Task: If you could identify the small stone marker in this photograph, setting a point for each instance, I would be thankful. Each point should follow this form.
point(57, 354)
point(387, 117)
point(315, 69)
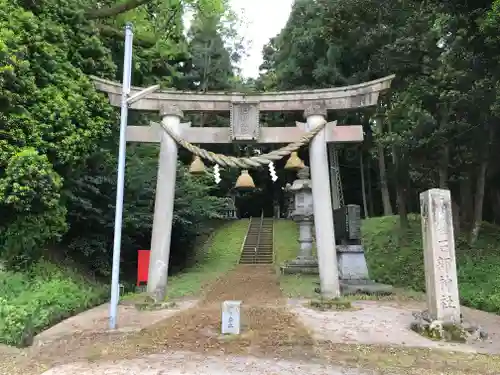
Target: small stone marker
point(439, 256)
point(231, 317)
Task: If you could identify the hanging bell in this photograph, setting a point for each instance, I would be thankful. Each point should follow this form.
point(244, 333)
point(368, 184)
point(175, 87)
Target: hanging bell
point(244, 181)
point(294, 162)
point(197, 167)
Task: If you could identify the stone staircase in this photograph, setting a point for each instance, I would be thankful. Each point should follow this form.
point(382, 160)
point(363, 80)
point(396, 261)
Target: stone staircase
point(258, 247)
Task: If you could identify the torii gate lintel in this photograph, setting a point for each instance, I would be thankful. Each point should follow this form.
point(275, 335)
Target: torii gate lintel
point(268, 135)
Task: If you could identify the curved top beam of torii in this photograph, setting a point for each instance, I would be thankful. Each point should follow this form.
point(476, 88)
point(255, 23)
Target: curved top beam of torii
point(346, 97)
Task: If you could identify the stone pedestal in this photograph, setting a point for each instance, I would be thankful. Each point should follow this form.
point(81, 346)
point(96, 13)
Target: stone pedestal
point(351, 260)
point(350, 253)
point(305, 263)
point(439, 256)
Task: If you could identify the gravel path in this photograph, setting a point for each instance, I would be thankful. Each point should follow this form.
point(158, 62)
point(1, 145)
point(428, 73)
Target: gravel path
point(177, 363)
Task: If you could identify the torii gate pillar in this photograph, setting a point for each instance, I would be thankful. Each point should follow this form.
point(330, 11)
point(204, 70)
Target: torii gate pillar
point(322, 204)
point(164, 203)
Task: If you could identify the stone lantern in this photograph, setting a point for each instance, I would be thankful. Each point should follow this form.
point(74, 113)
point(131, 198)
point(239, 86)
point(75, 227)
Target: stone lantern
point(229, 211)
point(303, 214)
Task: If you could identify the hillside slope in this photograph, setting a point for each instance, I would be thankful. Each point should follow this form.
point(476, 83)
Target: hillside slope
point(397, 259)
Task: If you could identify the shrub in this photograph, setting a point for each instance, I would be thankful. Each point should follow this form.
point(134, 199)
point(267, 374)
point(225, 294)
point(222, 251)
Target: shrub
point(34, 301)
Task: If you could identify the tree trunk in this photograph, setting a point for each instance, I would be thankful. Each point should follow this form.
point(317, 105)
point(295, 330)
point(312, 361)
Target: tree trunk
point(363, 189)
point(479, 193)
point(455, 212)
point(384, 186)
point(400, 188)
point(402, 210)
point(370, 190)
point(466, 206)
point(444, 162)
point(495, 199)
point(478, 201)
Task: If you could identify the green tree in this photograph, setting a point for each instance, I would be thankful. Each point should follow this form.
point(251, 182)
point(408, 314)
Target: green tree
point(437, 125)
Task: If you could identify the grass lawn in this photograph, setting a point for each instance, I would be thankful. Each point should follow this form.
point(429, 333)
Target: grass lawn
point(218, 254)
point(286, 247)
point(221, 253)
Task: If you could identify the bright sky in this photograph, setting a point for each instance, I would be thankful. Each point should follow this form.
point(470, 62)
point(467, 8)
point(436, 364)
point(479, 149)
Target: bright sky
point(264, 19)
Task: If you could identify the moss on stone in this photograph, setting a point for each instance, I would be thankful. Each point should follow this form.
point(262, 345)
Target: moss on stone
point(438, 331)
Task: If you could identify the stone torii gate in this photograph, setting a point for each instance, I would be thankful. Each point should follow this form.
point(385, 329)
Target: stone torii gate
point(244, 110)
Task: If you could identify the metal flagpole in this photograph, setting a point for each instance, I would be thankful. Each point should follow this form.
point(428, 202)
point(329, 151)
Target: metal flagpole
point(115, 279)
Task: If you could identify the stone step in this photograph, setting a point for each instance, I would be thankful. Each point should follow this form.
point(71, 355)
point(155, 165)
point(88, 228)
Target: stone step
point(252, 252)
point(258, 246)
point(256, 254)
point(249, 255)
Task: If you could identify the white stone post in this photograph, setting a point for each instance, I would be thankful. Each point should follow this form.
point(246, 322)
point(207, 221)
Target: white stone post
point(322, 205)
point(439, 256)
point(164, 205)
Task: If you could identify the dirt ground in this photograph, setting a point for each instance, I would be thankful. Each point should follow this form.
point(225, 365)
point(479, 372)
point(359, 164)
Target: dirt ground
point(270, 331)
point(96, 321)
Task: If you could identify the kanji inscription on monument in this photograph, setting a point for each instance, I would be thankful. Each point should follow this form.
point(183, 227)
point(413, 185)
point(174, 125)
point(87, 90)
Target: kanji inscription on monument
point(231, 317)
point(244, 121)
point(439, 255)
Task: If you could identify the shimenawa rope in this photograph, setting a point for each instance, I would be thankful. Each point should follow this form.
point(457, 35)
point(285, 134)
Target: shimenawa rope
point(248, 162)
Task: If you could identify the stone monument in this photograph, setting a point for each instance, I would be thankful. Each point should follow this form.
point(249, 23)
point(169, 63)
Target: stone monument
point(439, 256)
point(351, 260)
point(442, 319)
point(303, 214)
point(350, 252)
point(231, 322)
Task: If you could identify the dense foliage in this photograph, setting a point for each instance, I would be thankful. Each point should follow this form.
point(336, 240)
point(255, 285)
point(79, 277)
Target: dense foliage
point(438, 125)
point(58, 135)
point(31, 302)
point(58, 144)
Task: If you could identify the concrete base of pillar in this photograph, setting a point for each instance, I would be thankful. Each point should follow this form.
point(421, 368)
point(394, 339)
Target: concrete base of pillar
point(301, 265)
point(352, 262)
point(366, 287)
point(353, 273)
